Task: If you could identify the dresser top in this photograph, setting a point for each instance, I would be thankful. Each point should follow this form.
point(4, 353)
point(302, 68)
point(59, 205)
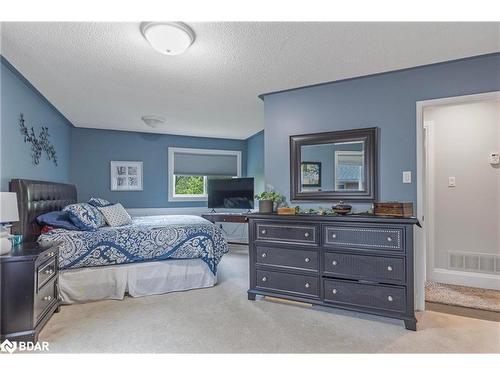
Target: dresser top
point(24, 251)
point(339, 218)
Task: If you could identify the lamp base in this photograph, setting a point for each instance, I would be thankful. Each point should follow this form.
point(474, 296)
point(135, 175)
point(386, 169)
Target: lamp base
point(5, 245)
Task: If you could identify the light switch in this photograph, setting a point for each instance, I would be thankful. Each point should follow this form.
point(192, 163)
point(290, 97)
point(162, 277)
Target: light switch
point(406, 177)
point(451, 182)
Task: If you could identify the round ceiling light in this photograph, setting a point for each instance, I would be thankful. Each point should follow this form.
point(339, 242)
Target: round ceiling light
point(153, 121)
point(169, 38)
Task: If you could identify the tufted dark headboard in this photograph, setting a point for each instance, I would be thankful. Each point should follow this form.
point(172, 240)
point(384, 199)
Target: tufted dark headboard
point(35, 198)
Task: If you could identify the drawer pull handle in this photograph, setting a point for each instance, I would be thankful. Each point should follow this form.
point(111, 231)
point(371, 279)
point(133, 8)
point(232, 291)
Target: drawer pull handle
point(307, 285)
point(264, 255)
point(334, 291)
point(48, 272)
point(389, 268)
point(263, 231)
point(334, 236)
point(334, 263)
point(389, 298)
point(307, 260)
point(389, 239)
point(264, 279)
point(47, 298)
point(306, 234)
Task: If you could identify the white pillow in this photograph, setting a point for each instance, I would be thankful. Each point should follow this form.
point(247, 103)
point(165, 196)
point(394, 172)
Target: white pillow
point(115, 215)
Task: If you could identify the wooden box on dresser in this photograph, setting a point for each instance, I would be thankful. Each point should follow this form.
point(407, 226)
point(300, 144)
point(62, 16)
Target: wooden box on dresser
point(29, 290)
point(361, 263)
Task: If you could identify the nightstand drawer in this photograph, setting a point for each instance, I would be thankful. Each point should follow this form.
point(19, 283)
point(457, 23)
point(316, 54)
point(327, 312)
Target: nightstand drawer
point(355, 294)
point(45, 298)
point(278, 257)
point(389, 239)
point(307, 286)
point(291, 233)
point(45, 272)
point(365, 267)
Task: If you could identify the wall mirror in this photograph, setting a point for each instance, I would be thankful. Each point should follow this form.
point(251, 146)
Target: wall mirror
point(338, 165)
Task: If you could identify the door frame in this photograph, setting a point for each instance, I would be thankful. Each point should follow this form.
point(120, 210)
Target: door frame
point(421, 234)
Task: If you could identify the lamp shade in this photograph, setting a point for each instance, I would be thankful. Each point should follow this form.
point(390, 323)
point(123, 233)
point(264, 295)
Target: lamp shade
point(8, 207)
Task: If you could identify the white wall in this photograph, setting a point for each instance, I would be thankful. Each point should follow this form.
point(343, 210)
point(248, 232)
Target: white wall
point(466, 217)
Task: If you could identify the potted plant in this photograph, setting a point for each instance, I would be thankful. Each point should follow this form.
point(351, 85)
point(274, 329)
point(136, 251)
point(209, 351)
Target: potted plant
point(269, 200)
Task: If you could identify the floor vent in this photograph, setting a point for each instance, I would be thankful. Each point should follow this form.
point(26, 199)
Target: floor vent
point(474, 262)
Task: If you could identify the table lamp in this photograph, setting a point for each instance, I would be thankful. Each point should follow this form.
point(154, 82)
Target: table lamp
point(8, 214)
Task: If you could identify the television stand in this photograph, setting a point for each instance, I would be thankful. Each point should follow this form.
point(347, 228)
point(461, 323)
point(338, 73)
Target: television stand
point(241, 218)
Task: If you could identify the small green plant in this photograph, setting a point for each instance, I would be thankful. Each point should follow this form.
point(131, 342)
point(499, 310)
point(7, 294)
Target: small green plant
point(278, 199)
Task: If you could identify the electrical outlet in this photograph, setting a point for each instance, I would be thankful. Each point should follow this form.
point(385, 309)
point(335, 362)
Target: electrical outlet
point(452, 182)
point(406, 177)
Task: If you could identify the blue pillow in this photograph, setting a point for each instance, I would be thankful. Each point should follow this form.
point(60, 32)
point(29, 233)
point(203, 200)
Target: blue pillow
point(98, 202)
point(57, 219)
point(85, 216)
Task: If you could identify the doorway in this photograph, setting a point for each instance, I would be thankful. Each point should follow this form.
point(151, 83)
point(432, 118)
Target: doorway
point(458, 262)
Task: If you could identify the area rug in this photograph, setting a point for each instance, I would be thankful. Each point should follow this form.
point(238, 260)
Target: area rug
point(475, 298)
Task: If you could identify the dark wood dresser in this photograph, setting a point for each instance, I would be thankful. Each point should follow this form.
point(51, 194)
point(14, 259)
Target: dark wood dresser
point(29, 290)
point(361, 263)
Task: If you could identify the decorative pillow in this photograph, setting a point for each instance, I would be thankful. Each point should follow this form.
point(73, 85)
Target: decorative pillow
point(98, 202)
point(115, 215)
point(57, 219)
point(85, 216)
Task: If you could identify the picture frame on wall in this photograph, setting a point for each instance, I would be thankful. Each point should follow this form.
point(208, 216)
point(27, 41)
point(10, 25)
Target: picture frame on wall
point(126, 175)
point(311, 173)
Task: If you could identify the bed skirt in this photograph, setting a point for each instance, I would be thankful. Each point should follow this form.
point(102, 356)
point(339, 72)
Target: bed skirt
point(137, 279)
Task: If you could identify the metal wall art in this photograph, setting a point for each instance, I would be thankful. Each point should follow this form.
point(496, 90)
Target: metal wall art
point(38, 144)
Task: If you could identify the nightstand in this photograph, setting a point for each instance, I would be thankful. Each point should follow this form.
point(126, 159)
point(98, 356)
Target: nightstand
point(29, 290)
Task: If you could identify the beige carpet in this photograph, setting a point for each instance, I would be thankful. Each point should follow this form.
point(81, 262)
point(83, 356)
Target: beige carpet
point(222, 320)
point(475, 298)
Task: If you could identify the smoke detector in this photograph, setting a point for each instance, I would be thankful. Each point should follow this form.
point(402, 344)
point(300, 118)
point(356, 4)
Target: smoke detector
point(153, 121)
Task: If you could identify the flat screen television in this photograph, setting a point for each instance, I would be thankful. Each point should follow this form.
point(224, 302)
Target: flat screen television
point(230, 193)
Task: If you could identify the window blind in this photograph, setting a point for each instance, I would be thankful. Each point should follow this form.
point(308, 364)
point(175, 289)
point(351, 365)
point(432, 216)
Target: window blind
point(186, 163)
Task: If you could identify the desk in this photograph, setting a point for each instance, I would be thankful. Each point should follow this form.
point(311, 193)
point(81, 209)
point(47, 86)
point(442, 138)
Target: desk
point(228, 218)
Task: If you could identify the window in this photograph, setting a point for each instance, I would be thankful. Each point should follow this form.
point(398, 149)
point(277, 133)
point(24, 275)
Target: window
point(190, 169)
point(349, 170)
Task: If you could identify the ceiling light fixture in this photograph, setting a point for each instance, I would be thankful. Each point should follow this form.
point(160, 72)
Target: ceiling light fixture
point(169, 38)
point(153, 121)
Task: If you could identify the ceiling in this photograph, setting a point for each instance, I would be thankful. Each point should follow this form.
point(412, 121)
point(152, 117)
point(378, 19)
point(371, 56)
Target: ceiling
point(106, 75)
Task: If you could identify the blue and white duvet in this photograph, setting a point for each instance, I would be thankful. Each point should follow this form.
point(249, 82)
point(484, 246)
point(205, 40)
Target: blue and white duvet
point(148, 238)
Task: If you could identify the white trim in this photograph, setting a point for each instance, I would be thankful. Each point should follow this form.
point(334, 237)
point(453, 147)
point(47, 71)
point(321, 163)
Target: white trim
point(421, 234)
point(170, 172)
point(466, 278)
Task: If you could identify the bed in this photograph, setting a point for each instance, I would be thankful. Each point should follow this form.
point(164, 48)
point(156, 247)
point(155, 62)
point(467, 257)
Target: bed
point(153, 255)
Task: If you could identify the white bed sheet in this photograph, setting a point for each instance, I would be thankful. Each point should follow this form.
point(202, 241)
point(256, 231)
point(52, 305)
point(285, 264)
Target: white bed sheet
point(138, 279)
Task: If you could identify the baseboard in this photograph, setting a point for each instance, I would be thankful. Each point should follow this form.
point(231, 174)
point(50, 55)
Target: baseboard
point(472, 279)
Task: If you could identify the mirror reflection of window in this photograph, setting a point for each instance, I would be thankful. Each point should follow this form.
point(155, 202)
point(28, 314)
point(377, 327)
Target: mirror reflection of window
point(349, 168)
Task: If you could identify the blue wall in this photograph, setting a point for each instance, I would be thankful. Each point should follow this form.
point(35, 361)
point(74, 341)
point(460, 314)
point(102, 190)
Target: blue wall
point(19, 96)
point(387, 101)
point(92, 150)
point(255, 160)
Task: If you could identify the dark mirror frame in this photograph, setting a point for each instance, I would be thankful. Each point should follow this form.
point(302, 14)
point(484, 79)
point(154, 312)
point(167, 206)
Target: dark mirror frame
point(367, 135)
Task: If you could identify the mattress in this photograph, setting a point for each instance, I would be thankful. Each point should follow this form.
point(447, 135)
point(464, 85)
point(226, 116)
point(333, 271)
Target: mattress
point(148, 238)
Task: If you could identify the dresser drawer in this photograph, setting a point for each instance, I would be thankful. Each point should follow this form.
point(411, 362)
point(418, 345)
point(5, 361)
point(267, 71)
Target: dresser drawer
point(354, 294)
point(365, 267)
point(307, 286)
point(291, 233)
point(277, 257)
point(44, 298)
point(45, 272)
point(389, 239)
